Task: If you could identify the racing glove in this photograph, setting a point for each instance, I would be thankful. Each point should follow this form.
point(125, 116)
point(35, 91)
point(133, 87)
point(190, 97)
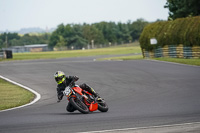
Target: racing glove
point(60, 97)
point(76, 78)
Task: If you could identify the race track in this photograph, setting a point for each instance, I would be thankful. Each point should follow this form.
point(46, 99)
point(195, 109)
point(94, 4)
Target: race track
point(139, 93)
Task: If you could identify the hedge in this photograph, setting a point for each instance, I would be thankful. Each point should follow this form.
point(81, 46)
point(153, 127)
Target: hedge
point(184, 31)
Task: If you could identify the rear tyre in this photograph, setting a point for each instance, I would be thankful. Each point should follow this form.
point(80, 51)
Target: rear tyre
point(102, 106)
point(79, 105)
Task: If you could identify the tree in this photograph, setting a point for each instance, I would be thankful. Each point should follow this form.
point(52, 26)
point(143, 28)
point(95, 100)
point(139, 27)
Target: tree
point(54, 38)
point(61, 43)
point(57, 37)
point(15, 42)
point(136, 28)
point(182, 8)
point(7, 37)
point(60, 29)
point(1, 44)
point(78, 42)
point(108, 30)
point(90, 32)
point(123, 33)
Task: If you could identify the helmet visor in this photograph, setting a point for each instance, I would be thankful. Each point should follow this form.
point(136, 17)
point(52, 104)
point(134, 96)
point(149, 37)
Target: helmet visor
point(59, 79)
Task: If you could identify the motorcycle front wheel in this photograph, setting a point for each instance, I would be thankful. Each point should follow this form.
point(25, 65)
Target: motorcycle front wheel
point(102, 106)
point(79, 105)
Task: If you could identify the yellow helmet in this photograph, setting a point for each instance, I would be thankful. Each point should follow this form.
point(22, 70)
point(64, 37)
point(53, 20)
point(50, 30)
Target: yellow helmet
point(59, 77)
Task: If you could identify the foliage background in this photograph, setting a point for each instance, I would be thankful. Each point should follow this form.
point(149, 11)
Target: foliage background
point(180, 31)
point(182, 8)
point(79, 35)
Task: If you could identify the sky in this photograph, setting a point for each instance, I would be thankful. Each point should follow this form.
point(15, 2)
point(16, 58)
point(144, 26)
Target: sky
point(18, 14)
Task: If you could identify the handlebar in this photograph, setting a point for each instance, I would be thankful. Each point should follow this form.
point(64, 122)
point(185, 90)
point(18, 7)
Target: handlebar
point(71, 83)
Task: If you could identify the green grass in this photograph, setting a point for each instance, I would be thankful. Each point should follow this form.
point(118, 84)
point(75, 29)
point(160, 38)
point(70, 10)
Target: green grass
point(13, 96)
point(182, 61)
point(75, 53)
point(131, 57)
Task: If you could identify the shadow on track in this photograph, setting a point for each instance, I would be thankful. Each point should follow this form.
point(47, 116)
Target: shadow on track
point(73, 113)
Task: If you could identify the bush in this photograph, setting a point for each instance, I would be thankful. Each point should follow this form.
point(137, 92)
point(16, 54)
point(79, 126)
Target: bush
point(184, 31)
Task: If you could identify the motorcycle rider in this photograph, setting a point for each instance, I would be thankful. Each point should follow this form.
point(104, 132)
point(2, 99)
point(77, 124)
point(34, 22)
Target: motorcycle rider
point(64, 81)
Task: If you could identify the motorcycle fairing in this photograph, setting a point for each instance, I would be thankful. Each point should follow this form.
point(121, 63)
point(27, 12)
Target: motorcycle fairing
point(93, 106)
point(78, 90)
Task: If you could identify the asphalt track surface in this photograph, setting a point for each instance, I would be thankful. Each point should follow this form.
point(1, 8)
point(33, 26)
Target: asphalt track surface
point(140, 93)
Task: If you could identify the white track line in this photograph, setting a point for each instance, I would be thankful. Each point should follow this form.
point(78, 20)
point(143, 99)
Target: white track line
point(38, 96)
point(139, 128)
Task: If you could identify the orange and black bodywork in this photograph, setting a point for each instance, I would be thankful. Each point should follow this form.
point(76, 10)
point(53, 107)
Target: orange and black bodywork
point(77, 93)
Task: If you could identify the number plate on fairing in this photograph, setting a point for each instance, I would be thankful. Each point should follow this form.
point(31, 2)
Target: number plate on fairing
point(67, 92)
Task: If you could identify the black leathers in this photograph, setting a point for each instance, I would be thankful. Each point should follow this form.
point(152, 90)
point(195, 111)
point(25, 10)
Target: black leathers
point(61, 87)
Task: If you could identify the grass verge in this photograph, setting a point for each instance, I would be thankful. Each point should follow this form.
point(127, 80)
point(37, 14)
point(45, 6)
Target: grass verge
point(131, 57)
point(195, 62)
point(13, 96)
point(75, 53)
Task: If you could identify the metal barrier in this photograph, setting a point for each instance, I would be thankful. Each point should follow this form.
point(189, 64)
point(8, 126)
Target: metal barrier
point(187, 51)
point(158, 52)
point(172, 51)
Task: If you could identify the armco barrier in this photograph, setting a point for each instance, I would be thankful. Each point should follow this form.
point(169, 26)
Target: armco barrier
point(173, 51)
point(158, 52)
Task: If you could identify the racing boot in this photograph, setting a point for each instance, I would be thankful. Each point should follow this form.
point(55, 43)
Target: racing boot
point(90, 90)
point(96, 95)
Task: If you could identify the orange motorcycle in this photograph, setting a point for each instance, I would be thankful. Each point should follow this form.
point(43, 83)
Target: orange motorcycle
point(84, 101)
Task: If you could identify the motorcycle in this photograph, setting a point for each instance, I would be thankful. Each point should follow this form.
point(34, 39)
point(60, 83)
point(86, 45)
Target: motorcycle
point(84, 101)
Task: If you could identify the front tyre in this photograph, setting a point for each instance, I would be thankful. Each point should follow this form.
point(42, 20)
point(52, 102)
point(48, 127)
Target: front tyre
point(102, 106)
point(79, 105)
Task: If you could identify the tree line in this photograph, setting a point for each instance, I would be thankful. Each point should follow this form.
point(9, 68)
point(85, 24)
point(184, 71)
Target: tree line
point(100, 34)
point(80, 35)
point(182, 8)
point(14, 39)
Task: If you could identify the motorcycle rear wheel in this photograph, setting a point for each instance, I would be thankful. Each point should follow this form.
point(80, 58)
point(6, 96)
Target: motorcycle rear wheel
point(79, 105)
